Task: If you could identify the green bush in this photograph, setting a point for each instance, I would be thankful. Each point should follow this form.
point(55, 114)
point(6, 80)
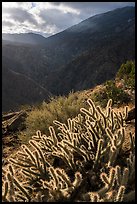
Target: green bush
point(111, 92)
point(59, 108)
point(127, 72)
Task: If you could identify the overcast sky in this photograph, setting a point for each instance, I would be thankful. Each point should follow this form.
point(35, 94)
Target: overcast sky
point(48, 18)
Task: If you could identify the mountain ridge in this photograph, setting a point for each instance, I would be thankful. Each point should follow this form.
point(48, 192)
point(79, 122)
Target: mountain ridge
point(77, 60)
point(24, 38)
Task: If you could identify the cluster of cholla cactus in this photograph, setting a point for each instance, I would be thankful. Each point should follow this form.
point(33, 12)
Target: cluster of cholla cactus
point(81, 162)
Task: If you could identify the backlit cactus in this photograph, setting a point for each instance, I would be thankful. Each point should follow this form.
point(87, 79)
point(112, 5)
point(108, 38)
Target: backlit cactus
point(68, 165)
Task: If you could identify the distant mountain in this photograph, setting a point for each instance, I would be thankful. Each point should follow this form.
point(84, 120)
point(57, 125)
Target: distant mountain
point(92, 51)
point(92, 32)
point(25, 38)
point(81, 56)
point(18, 89)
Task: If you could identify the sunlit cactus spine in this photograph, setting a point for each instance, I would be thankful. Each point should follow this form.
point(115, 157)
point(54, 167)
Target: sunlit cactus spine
point(55, 166)
point(120, 194)
point(61, 187)
point(108, 181)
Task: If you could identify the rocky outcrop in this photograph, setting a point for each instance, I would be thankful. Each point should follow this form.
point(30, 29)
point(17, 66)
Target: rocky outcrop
point(13, 121)
point(131, 115)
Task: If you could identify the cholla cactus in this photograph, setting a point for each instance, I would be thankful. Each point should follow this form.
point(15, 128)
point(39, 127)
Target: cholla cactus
point(64, 166)
point(60, 186)
point(13, 190)
point(115, 186)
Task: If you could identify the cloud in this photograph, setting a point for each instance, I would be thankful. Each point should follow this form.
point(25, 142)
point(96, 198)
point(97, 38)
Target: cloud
point(88, 9)
point(20, 15)
point(45, 17)
point(23, 5)
point(7, 23)
point(58, 18)
point(60, 6)
point(49, 18)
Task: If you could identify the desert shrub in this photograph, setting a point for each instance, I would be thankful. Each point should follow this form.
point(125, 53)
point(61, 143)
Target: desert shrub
point(59, 108)
point(79, 163)
point(127, 72)
point(111, 91)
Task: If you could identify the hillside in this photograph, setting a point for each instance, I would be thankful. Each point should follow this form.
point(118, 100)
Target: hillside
point(91, 68)
point(101, 144)
point(29, 38)
point(121, 90)
point(81, 56)
point(18, 89)
point(68, 112)
point(91, 32)
point(92, 48)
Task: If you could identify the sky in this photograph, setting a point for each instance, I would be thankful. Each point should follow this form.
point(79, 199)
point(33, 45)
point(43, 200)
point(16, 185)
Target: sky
point(49, 18)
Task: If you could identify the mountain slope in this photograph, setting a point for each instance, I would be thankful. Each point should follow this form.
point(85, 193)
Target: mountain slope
point(92, 31)
point(92, 68)
point(18, 89)
point(80, 57)
point(93, 50)
point(26, 38)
